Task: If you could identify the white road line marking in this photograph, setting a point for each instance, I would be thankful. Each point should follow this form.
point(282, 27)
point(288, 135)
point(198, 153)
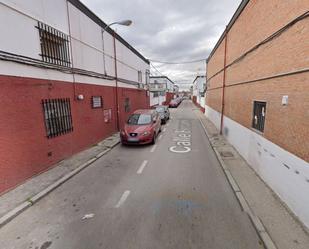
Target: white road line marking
point(168, 124)
point(153, 148)
point(123, 198)
point(160, 137)
point(164, 129)
point(141, 168)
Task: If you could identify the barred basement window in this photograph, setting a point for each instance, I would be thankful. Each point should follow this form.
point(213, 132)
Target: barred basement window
point(127, 105)
point(57, 116)
point(96, 102)
point(259, 110)
point(54, 45)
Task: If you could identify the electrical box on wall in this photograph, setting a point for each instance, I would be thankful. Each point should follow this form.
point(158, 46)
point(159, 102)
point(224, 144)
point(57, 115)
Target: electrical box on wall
point(285, 100)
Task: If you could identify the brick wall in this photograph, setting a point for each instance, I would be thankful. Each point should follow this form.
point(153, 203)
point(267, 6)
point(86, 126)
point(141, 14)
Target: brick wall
point(286, 126)
point(24, 146)
point(169, 97)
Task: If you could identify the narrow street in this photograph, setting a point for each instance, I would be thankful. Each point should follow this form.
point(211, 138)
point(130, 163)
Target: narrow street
point(156, 196)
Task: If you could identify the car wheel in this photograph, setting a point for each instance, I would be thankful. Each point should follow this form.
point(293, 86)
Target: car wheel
point(153, 139)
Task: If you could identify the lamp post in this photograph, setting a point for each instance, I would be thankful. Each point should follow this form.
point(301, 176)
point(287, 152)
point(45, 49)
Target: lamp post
point(124, 23)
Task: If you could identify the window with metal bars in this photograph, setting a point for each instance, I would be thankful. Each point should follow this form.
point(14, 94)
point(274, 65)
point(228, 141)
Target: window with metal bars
point(127, 105)
point(54, 45)
point(57, 116)
point(259, 111)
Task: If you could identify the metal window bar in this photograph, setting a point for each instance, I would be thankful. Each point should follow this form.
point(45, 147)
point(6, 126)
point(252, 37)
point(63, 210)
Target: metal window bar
point(57, 116)
point(70, 115)
point(54, 45)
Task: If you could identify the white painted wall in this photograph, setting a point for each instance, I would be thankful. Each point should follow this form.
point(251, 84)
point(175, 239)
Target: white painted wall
point(201, 101)
point(53, 13)
point(162, 99)
point(169, 84)
point(128, 64)
point(268, 160)
point(87, 41)
point(23, 39)
point(156, 100)
point(153, 100)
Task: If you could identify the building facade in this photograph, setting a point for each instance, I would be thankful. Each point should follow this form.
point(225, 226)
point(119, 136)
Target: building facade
point(258, 94)
point(65, 84)
point(198, 91)
point(162, 90)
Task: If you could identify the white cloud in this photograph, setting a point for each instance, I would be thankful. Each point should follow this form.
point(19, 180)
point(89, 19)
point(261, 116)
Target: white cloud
point(169, 30)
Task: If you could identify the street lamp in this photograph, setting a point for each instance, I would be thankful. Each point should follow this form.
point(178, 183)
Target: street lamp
point(124, 23)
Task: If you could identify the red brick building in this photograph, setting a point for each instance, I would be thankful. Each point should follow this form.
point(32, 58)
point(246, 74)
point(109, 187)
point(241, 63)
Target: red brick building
point(62, 79)
point(258, 93)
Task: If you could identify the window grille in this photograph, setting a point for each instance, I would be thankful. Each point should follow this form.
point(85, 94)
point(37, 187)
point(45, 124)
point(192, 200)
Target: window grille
point(259, 111)
point(127, 105)
point(54, 45)
point(57, 116)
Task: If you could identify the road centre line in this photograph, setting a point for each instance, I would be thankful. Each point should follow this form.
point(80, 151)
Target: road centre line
point(141, 168)
point(160, 137)
point(164, 130)
point(153, 148)
point(123, 198)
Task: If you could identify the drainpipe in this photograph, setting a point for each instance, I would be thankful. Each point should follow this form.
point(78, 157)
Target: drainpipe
point(223, 83)
point(71, 52)
point(116, 79)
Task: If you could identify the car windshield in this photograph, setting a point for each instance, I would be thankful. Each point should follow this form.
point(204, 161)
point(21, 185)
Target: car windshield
point(139, 119)
point(160, 109)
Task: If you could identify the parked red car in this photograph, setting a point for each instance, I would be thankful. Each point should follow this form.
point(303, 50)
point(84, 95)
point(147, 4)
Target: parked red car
point(175, 102)
point(142, 127)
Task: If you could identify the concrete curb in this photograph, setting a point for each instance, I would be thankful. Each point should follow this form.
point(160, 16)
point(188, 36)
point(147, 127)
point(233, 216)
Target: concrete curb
point(29, 202)
point(258, 225)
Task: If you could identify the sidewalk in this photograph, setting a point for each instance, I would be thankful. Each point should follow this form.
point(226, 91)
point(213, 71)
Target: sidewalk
point(269, 215)
point(17, 200)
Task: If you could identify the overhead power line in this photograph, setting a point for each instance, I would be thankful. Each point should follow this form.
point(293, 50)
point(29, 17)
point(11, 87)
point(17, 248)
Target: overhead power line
point(156, 69)
point(178, 62)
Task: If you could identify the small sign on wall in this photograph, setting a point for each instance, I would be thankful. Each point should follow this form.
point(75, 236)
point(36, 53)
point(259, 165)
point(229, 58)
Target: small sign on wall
point(107, 115)
point(97, 102)
point(285, 100)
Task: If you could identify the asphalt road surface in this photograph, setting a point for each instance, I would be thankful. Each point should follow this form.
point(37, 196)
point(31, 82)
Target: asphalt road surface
point(170, 195)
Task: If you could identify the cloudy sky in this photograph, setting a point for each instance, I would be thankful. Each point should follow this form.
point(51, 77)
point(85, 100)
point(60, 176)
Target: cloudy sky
point(170, 30)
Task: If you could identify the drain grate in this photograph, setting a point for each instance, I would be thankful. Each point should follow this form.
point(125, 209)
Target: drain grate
point(226, 154)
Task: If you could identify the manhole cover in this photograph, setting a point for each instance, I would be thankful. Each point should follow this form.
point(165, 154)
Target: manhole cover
point(226, 154)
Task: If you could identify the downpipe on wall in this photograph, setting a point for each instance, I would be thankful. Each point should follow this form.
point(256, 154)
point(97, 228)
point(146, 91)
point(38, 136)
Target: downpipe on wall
point(223, 83)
